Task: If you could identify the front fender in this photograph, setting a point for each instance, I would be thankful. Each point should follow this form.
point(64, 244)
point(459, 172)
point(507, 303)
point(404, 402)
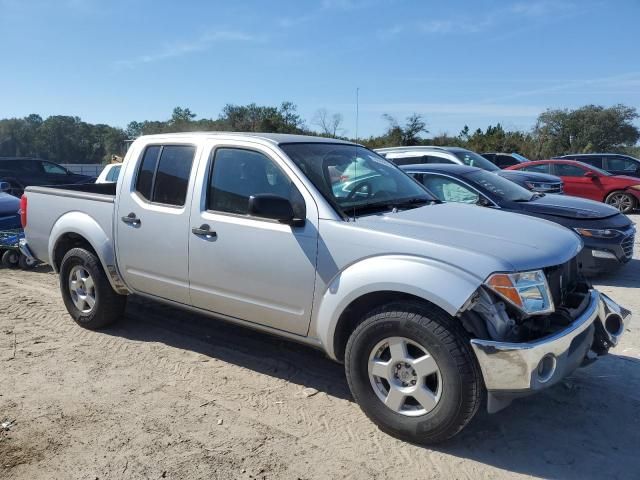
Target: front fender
point(85, 226)
point(442, 284)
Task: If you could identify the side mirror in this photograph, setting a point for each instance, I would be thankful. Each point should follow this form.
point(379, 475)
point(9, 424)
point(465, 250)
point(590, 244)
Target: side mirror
point(591, 175)
point(5, 187)
point(278, 208)
point(483, 201)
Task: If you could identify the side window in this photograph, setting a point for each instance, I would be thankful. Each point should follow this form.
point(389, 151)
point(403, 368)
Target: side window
point(541, 168)
point(113, 174)
point(164, 173)
point(53, 168)
point(434, 159)
point(566, 170)
point(409, 160)
point(237, 174)
point(147, 170)
point(591, 160)
point(505, 161)
point(172, 176)
point(449, 190)
point(621, 164)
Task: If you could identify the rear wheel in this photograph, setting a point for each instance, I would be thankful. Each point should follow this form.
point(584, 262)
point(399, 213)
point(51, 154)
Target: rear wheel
point(625, 202)
point(86, 291)
point(26, 263)
point(412, 371)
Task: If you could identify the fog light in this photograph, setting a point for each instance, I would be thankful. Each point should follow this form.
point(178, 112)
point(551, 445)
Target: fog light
point(603, 254)
point(546, 368)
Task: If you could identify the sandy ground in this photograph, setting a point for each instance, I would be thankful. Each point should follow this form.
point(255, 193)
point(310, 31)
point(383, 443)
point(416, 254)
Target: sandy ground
point(167, 394)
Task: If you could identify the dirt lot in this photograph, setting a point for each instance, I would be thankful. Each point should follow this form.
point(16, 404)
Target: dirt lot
point(167, 394)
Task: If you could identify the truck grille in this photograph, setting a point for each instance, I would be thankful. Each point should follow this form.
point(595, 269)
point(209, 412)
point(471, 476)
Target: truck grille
point(562, 279)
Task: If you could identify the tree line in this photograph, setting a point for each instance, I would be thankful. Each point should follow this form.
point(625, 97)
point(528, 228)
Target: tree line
point(68, 139)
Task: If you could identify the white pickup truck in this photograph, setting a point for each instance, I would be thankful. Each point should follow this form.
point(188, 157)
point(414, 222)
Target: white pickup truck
point(430, 306)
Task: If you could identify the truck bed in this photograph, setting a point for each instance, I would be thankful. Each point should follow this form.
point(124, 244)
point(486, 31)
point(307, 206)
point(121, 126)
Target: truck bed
point(85, 206)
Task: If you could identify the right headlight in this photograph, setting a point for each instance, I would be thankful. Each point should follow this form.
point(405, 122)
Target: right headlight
point(528, 291)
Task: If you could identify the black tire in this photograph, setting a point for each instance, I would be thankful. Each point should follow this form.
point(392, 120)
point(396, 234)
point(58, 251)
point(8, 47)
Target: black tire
point(623, 201)
point(459, 375)
point(108, 307)
point(10, 258)
point(25, 264)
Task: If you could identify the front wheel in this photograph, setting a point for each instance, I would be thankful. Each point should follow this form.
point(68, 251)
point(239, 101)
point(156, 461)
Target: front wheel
point(625, 202)
point(86, 291)
point(411, 369)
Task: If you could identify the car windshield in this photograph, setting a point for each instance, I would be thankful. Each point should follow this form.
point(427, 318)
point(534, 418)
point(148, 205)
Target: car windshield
point(500, 187)
point(517, 156)
point(472, 159)
point(356, 180)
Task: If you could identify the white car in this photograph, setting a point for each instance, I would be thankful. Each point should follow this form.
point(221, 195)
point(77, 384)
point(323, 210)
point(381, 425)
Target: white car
point(109, 173)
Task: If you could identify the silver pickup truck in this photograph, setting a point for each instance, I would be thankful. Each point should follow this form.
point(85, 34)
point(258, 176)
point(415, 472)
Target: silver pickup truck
point(430, 306)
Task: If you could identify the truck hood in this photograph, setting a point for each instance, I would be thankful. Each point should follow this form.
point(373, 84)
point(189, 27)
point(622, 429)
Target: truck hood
point(9, 204)
point(569, 207)
point(512, 242)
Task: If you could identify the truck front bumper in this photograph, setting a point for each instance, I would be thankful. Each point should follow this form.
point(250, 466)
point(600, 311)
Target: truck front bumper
point(511, 370)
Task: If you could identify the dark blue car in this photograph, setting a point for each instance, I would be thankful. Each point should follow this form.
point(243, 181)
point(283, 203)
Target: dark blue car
point(608, 235)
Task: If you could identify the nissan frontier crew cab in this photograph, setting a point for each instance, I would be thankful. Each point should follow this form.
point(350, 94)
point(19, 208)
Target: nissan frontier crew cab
point(430, 306)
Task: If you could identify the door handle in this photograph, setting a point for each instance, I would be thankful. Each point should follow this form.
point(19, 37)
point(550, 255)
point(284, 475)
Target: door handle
point(204, 230)
point(131, 219)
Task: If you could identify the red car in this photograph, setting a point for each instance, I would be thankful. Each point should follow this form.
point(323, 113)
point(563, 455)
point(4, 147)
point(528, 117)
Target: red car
point(582, 180)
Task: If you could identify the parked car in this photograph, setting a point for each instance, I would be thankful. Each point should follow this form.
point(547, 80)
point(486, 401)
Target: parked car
point(615, 163)
point(590, 182)
point(9, 206)
point(535, 182)
point(429, 305)
point(22, 172)
point(608, 235)
point(504, 160)
point(109, 173)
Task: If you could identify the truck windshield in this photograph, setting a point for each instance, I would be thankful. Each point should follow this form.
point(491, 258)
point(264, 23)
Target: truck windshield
point(355, 179)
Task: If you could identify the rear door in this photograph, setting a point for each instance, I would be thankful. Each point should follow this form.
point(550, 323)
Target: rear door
point(577, 184)
point(152, 220)
point(251, 268)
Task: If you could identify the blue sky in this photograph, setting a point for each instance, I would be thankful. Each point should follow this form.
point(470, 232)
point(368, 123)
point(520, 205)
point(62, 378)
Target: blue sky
point(455, 62)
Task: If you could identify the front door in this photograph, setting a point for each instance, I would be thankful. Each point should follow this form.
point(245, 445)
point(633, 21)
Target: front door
point(246, 267)
point(152, 221)
point(577, 183)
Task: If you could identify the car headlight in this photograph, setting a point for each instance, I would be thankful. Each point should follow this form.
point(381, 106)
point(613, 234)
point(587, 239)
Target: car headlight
point(597, 232)
point(528, 291)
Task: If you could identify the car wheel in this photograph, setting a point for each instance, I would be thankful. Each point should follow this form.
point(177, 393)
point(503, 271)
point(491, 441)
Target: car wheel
point(625, 202)
point(86, 291)
point(412, 371)
point(10, 258)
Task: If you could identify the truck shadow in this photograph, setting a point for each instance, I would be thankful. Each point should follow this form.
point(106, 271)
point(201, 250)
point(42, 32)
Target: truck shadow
point(586, 427)
point(627, 276)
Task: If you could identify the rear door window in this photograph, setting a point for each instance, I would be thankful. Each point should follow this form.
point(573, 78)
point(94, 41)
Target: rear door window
point(505, 161)
point(164, 173)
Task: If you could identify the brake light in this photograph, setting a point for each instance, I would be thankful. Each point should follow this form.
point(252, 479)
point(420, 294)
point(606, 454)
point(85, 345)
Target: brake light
point(23, 211)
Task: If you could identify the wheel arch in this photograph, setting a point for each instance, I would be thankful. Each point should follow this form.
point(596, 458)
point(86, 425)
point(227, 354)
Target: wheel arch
point(375, 281)
point(77, 229)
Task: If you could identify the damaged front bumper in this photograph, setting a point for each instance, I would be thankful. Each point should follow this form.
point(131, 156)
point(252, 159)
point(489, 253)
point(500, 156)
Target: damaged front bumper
point(513, 370)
